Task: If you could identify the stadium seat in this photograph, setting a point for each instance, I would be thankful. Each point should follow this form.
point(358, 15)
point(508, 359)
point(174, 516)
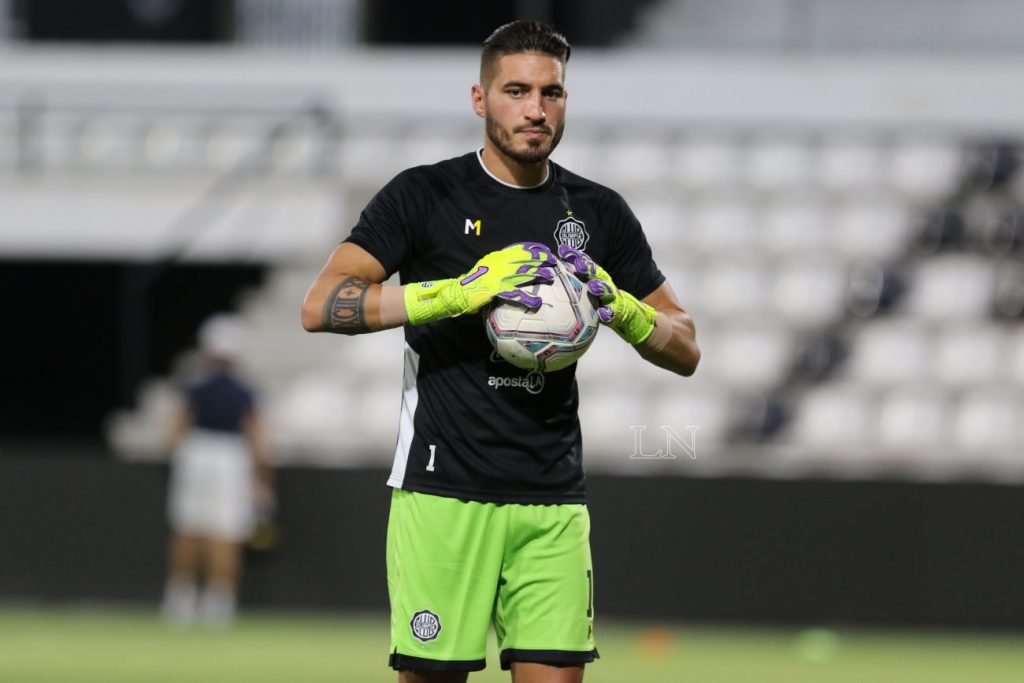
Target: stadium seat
point(663, 223)
point(970, 355)
point(834, 418)
point(705, 163)
point(1009, 297)
point(952, 286)
point(994, 223)
point(849, 165)
point(722, 225)
point(989, 418)
point(795, 225)
point(1015, 360)
point(911, 419)
point(635, 162)
point(313, 418)
point(925, 169)
point(736, 286)
point(775, 165)
point(890, 352)
point(368, 160)
point(809, 293)
point(607, 418)
point(751, 358)
point(145, 432)
point(875, 227)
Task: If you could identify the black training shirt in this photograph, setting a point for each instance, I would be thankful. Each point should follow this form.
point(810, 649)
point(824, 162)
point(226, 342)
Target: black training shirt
point(472, 426)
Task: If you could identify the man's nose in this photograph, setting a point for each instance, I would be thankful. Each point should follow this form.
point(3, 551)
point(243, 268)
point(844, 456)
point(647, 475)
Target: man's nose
point(535, 109)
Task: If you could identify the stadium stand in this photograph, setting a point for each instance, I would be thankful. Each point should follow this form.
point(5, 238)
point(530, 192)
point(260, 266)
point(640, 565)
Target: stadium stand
point(858, 283)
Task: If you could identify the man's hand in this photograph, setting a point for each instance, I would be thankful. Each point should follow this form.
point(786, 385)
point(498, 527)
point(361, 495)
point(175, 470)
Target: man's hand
point(499, 274)
point(632, 319)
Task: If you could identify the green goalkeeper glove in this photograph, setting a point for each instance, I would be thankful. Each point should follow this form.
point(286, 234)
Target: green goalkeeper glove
point(499, 274)
point(632, 319)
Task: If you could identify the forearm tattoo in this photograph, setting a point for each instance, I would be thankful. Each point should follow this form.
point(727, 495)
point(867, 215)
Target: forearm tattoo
point(344, 310)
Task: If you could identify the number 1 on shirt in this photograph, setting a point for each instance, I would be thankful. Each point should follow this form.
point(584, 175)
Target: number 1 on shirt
point(433, 452)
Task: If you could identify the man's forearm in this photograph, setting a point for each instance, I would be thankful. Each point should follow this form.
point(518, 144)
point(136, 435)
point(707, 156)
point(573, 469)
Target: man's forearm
point(673, 344)
point(353, 306)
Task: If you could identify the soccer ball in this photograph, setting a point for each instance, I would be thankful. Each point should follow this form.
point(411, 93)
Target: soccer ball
point(552, 337)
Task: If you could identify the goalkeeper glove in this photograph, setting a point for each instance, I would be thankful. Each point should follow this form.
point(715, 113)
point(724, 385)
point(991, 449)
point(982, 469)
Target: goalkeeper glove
point(632, 319)
point(498, 274)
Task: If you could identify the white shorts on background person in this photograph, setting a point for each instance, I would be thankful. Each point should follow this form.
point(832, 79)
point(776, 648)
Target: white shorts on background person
point(211, 490)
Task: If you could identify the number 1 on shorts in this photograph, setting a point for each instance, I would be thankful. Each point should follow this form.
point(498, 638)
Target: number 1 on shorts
point(433, 452)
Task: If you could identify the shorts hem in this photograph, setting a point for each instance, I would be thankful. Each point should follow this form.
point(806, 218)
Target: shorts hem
point(399, 661)
point(552, 657)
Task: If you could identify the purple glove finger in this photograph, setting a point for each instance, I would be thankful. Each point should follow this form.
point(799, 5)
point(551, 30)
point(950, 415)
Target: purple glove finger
point(520, 297)
point(599, 288)
point(543, 275)
point(606, 314)
point(539, 251)
point(581, 264)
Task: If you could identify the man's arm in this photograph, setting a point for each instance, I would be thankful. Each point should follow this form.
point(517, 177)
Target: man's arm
point(347, 297)
point(259, 450)
point(673, 344)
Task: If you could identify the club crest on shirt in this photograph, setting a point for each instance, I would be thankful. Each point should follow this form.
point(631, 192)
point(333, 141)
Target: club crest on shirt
point(425, 625)
point(572, 232)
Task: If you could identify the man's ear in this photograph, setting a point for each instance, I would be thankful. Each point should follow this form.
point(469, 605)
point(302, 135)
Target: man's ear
point(477, 95)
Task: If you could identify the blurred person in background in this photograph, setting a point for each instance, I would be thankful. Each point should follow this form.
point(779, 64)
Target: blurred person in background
point(488, 518)
point(220, 477)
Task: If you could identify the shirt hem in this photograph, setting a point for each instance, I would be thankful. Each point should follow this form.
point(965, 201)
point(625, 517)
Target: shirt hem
point(490, 496)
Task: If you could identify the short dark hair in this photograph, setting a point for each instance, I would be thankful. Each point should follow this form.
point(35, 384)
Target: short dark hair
point(521, 36)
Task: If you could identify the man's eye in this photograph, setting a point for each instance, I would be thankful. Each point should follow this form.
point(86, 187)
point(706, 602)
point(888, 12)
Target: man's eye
point(554, 95)
point(515, 92)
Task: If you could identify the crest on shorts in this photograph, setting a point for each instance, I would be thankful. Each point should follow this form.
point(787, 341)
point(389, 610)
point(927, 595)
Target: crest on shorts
point(572, 232)
point(425, 625)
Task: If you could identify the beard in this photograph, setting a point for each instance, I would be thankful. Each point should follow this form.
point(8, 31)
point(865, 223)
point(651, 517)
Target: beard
point(535, 151)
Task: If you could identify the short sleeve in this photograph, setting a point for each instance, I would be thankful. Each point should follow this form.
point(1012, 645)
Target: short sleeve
point(630, 262)
point(386, 226)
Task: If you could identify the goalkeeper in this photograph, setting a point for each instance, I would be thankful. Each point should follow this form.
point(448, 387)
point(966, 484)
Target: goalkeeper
point(488, 523)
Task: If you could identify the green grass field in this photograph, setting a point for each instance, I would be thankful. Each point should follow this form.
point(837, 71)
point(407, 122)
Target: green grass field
point(107, 646)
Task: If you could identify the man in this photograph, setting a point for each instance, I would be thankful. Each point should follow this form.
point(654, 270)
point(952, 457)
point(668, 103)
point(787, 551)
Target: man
point(488, 522)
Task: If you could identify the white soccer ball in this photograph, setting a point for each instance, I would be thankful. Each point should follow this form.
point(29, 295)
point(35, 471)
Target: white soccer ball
point(552, 337)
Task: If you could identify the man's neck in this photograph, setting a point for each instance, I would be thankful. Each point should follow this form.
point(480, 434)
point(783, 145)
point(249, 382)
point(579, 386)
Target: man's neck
point(510, 171)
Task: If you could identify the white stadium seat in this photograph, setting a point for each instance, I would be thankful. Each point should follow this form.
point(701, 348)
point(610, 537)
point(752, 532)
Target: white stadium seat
point(663, 223)
point(850, 165)
point(723, 225)
point(751, 358)
point(925, 169)
point(970, 355)
point(834, 417)
point(887, 353)
point(636, 162)
point(872, 228)
point(952, 287)
point(989, 418)
point(809, 293)
point(736, 286)
point(793, 225)
point(707, 162)
point(776, 165)
point(1015, 357)
point(911, 418)
point(313, 417)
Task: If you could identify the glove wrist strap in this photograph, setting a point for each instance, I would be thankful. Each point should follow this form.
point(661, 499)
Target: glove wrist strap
point(423, 303)
point(660, 336)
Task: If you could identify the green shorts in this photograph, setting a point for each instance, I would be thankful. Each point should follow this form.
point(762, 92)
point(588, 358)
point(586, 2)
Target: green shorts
point(456, 566)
